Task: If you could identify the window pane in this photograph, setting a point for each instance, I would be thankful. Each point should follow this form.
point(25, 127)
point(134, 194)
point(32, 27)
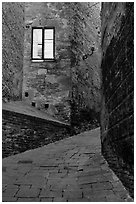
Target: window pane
point(48, 34)
point(37, 43)
point(48, 49)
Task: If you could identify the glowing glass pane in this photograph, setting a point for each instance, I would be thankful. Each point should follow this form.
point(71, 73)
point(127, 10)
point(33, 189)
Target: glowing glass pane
point(48, 49)
point(37, 43)
point(48, 33)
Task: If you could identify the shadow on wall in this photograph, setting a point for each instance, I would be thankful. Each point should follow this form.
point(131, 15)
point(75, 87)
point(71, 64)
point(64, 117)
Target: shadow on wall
point(117, 115)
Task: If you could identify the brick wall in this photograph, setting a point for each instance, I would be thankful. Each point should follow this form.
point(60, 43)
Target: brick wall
point(24, 132)
point(12, 50)
point(117, 131)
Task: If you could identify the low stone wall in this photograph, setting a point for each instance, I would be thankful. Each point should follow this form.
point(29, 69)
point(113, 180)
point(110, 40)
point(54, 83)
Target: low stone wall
point(117, 115)
point(23, 132)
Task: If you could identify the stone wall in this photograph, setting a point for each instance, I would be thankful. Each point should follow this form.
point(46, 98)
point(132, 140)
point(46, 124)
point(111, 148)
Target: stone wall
point(12, 50)
point(24, 132)
point(48, 83)
point(85, 65)
point(69, 81)
point(117, 131)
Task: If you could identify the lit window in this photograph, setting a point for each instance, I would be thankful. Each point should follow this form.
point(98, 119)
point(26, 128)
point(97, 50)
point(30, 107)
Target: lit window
point(37, 44)
point(43, 43)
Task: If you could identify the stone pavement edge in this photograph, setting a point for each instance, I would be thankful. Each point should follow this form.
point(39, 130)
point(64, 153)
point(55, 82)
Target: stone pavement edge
point(70, 170)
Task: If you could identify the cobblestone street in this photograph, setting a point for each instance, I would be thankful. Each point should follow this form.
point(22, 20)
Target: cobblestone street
point(70, 170)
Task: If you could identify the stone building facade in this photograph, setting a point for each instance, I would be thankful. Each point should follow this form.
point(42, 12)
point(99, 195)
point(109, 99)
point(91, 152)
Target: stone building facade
point(117, 125)
point(12, 50)
point(49, 84)
point(46, 84)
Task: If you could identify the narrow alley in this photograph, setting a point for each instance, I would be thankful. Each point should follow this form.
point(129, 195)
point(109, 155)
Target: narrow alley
point(70, 170)
point(67, 101)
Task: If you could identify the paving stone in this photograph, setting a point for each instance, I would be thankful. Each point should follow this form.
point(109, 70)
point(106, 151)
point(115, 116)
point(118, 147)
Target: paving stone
point(36, 180)
point(113, 198)
point(38, 173)
point(59, 199)
point(28, 200)
point(72, 187)
point(10, 192)
point(91, 179)
point(49, 165)
point(72, 193)
point(54, 175)
point(50, 193)
point(55, 170)
point(25, 161)
point(98, 199)
point(4, 168)
point(24, 168)
point(22, 181)
point(69, 181)
point(46, 200)
point(87, 193)
point(46, 168)
point(85, 186)
point(91, 169)
point(28, 193)
point(14, 173)
point(102, 192)
point(71, 153)
point(9, 199)
point(69, 167)
point(10, 186)
point(57, 175)
point(64, 171)
point(78, 200)
point(72, 174)
point(58, 186)
point(3, 189)
point(103, 185)
point(4, 186)
point(8, 179)
point(90, 173)
point(82, 161)
point(76, 158)
point(26, 186)
point(73, 164)
point(52, 181)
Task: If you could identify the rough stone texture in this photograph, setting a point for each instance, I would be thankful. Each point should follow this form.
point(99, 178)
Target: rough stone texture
point(12, 50)
point(85, 72)
point(70, 170)
point(117, 104)
point(24, 132)
point(69, 81)
point(48, 82)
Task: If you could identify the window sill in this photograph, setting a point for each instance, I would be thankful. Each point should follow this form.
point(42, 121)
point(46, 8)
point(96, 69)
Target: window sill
point(48, 60)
